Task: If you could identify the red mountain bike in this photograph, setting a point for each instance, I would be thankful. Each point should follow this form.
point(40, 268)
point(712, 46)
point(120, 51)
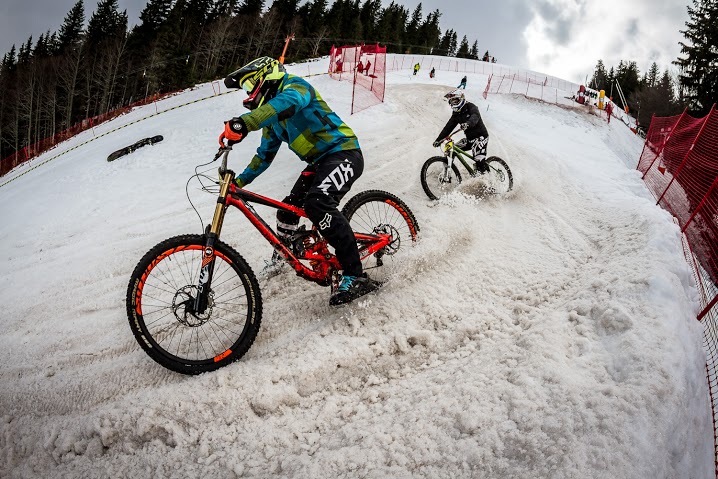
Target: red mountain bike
point(193, 302)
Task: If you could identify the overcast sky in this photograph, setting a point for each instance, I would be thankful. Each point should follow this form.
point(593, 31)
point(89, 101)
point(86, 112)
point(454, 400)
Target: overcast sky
point(564, 38)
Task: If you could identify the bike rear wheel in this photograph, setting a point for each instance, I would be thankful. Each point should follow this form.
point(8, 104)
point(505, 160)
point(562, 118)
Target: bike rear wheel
point(379, 212)
point(499, 176)
point(160, 296)
point(436, 179)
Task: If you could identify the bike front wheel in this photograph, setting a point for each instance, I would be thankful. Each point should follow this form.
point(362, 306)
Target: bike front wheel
point(437, 179)
point(379, 212)
point(499, 176)
point(160, 306)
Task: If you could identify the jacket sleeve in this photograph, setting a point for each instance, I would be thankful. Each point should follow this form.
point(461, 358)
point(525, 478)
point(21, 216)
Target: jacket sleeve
point(290, 100)
point(474, 115)
point(265, 155)
point(450, 125)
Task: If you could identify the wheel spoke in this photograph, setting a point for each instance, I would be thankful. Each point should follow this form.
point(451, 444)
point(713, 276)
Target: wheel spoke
point(169, 328)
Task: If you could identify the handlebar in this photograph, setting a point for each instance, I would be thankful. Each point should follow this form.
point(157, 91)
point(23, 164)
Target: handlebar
point(224, 152)
point(449, 136)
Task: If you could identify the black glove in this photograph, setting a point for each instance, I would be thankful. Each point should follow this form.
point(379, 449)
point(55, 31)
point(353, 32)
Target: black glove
point(235, 130)
point(437, 143)
point(464, 126)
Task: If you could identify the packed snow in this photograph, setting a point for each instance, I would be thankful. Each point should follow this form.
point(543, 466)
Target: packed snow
point(547, 333)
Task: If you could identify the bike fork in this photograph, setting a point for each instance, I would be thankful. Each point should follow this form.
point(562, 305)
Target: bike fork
point(208, 257)
point(447, 169)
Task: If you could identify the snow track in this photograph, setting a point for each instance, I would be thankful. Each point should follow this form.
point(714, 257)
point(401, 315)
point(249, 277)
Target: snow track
point(548, 333)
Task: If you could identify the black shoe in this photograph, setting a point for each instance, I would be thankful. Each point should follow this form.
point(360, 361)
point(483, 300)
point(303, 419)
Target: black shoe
point(482, 167)
point(351, 288)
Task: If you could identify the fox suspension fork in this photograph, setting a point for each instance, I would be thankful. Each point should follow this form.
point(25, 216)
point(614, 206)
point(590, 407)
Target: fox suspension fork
point(208, 257)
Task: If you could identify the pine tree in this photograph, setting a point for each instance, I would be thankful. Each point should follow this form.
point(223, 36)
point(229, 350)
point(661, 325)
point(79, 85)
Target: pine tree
point(445, 43)
point(429, 32)
point(25, 52)
point(657, 99)
point(70, 32)
point(652, 76)
point(153, 16)
point(452, 44)
point(223, 8)
point(699, 66)
point(463, 51)
point(391, 26)
point(599, 80)
point(40, 49)
point(106, 22)
point(412, 28)
point(312, 16)
point(9, 59)
point(474, 53)
point(251, 8)
point(369, 16)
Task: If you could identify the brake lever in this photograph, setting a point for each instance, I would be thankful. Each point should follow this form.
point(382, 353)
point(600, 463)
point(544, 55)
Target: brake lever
point(221, 151)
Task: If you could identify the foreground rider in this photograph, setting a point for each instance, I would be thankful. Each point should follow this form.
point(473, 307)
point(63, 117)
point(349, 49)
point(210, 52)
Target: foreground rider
point(467, 115)
point(288, 109)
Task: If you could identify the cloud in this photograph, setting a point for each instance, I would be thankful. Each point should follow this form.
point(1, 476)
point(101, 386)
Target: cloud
point(566, 38)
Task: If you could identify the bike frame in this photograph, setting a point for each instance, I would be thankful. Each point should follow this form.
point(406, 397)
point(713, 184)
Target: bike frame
point(324, 264)
point(452, 152)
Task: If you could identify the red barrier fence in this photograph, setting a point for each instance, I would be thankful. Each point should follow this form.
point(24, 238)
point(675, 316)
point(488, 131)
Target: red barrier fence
point(365, 66)
point(31, 151)
point(679, 163)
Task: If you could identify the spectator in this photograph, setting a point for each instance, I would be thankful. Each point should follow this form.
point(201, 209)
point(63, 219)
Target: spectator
point(366, 69)
point(609, 110)
point(360, 67)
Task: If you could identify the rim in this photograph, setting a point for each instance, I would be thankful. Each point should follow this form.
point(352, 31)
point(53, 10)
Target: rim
point(386, 217)
point(498, 178)
point(169, 284)
point(439, 179)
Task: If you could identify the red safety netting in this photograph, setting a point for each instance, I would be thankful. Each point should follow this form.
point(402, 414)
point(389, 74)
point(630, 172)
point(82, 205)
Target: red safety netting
point(365, 67)
point(679, 163)
point(680, 166)
point(31, 151)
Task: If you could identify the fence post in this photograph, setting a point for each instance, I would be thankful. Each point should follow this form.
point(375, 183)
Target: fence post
point(680, 167)
point(664, 143)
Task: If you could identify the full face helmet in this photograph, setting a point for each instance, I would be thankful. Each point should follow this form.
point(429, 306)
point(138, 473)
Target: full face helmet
point(456, 100)
point(260, 78)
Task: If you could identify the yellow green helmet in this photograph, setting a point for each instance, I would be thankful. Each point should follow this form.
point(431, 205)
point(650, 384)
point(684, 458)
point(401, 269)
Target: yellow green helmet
point(260, 78)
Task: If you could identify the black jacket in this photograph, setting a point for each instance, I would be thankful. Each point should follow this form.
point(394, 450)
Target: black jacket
point(469, 114)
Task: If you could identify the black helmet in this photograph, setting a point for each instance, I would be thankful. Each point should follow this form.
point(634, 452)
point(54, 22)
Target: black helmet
point(260, 78)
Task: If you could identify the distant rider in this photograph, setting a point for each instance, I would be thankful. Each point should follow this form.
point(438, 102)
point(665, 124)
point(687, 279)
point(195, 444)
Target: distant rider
point(467, 115)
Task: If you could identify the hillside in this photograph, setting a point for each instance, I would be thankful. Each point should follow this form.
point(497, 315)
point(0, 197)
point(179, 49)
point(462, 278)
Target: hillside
point(548, 333)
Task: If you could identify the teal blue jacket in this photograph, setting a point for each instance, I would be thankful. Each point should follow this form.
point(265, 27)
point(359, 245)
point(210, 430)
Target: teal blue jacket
point(298, 116)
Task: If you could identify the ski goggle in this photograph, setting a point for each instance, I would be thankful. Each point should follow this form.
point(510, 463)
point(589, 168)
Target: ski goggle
point(248, 85)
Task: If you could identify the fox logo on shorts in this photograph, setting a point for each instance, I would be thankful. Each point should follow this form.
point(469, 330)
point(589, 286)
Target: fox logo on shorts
point(338, 177)
point(326, 222)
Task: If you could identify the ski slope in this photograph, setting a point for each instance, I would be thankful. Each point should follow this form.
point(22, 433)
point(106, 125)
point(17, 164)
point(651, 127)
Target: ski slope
point(548, 333)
